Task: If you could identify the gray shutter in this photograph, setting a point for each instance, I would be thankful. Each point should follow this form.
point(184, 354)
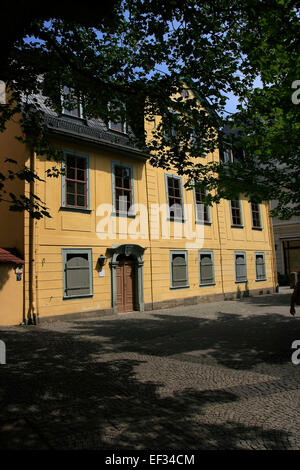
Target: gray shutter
point(77, 275)
point(260, 267)
point(206, 269)
point(179, 277)
point(240, 268)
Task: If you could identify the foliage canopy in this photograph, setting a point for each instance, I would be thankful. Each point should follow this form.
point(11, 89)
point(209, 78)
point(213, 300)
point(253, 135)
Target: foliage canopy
point(140, 52)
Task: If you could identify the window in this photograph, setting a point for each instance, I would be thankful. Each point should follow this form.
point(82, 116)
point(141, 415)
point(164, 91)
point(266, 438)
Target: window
point(71, 103)
point(123, 183)
point(240, 267)
point(77, 273)
point(2, 92)
point(174, 197)
point(226, 156)
point(75, 181)
point(256, 219)
point(118, 124)
point(185, 93)
point(206, 266)
point(202, 210)
point(236, 213)
point(260, 266)
point(179, 269)
point(197, 141)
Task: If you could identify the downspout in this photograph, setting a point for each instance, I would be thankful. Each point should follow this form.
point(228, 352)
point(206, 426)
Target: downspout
point(220, 240)
point(272, 240)
point(32, 313)
point(149, 233)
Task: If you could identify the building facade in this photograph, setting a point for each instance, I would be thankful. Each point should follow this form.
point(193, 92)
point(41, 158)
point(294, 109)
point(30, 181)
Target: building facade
point(124, 235)
point(287, 244)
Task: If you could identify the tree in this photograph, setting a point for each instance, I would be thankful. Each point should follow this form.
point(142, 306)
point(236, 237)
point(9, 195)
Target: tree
point(140, 53)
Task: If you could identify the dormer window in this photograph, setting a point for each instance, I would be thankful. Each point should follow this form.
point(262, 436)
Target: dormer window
point(185, 93)
point(2, 92)
point(71, 103)
point(226, 156)
point(119, 123)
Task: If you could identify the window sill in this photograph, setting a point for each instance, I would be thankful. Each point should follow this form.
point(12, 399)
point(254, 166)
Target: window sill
point(179, 287)
point(200, 222)
point(260, 280)
point(241, 282)
point(169, 219)
point(75, 297)
point(207, 285)
point(237, 226)
point(126, 215)
point(257, 228)
point(75, 209)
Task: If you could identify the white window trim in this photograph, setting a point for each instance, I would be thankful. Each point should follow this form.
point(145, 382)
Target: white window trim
point(168, 175)
point(110, 122)
point(241, 225)
point(260, 220)
point(198, 221)
point(63, 181)
point(66, 112)
point(132, 211)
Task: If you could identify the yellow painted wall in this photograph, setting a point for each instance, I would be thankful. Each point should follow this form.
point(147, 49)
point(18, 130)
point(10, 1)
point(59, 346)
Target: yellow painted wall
point(71, 229)
point(12, 223)
point(11, 296)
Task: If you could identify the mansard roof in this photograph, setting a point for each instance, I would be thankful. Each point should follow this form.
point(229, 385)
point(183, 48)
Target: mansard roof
point(90, 131)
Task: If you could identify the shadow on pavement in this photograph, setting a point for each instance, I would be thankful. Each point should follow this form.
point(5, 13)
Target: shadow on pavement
point(275, 300)
point(60, 390)
point(231, 340)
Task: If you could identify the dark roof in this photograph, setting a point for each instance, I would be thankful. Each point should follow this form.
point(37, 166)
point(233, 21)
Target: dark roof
point(7, 257)
point(93, 131)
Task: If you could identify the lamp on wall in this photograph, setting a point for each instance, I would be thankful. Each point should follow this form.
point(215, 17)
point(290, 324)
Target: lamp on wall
point(102, 260)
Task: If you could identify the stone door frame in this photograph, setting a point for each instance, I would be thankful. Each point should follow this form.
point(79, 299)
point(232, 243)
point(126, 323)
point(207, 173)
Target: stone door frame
point(136, 251)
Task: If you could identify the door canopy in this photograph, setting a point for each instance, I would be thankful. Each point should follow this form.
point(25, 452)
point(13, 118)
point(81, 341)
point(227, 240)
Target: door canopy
point(134, 250)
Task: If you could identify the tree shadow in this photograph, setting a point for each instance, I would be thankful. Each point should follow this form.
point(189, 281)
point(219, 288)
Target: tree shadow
point(63, 390)
point(4, 274)
point(230, 340)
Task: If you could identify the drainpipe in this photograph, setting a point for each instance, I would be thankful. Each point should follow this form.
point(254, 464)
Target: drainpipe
point(219, 236)
point(272, 242)
point(149, 233)
point(32, 313)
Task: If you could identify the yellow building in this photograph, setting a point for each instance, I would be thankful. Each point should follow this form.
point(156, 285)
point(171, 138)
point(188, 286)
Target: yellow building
point(124, 235)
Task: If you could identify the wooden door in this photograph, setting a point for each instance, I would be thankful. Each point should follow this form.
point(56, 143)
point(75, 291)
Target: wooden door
point(125, 285)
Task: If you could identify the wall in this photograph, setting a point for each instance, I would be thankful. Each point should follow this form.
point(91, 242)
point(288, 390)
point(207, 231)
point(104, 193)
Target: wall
point(11, 296)
point(13, 235)
point(67, 229)
point(70, 229)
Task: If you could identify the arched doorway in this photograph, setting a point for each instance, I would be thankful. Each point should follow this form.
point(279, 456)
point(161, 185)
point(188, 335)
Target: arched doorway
point(127, 284)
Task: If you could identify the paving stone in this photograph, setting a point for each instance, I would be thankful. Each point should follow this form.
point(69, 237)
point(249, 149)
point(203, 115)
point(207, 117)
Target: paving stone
point(207, 376)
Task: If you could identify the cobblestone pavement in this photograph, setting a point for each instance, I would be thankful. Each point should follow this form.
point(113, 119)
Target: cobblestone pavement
point(210, 376)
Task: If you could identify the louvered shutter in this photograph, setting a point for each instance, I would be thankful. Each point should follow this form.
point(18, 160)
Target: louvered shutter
point(240, 268)
point(179, 272)
point(260, 267)
point(77, 275)
point(206, 269)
